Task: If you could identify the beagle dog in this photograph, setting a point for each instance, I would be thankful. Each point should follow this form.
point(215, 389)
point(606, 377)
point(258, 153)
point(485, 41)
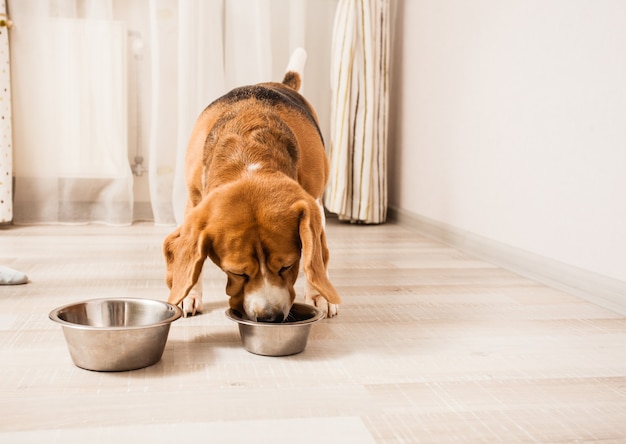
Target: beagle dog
point(255, 171)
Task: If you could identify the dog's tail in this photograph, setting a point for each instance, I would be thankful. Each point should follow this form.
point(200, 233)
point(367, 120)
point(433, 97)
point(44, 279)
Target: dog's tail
point(295, 69)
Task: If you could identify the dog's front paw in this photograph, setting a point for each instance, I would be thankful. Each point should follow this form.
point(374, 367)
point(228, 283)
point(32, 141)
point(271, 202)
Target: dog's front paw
point(330, 310)
point(192, 304)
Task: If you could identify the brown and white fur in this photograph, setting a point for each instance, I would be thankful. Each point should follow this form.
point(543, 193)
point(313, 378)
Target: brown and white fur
point(256, 170)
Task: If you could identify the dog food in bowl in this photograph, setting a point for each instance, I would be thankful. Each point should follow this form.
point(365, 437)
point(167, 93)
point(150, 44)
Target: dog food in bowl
point(277, 339)
point(116, 334)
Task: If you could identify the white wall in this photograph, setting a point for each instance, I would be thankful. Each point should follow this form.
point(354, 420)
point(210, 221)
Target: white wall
point(508, 120)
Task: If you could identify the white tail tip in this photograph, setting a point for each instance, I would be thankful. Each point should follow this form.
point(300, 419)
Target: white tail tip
point(297, 61)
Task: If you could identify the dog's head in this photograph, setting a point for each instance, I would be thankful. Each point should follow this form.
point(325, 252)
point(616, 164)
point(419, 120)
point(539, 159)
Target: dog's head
point(257, 231)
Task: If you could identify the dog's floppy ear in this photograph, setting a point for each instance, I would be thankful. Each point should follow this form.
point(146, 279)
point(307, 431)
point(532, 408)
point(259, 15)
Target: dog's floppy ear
point(185, 253)
point(315, 253)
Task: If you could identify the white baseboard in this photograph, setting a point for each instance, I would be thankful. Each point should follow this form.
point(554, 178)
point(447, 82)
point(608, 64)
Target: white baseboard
point(598, 289)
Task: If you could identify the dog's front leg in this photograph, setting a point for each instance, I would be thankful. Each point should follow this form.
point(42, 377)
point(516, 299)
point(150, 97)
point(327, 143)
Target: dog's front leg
point(313, 297)
point(192, 304)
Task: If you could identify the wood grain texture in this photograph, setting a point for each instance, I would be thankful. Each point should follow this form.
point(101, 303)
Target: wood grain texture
point(430, 345)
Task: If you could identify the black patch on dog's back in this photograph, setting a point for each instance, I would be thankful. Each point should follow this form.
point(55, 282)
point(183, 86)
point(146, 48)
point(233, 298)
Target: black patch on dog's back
point(272, 96)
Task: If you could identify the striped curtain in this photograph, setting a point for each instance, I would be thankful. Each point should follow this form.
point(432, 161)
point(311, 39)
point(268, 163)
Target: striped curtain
point(357, 188)
point(6, 158)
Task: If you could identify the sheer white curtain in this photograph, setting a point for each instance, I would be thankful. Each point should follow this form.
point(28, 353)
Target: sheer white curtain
point(71, 88)
point(70, 113)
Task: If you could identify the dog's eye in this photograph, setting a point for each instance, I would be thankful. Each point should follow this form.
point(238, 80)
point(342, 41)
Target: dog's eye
point(283, 269)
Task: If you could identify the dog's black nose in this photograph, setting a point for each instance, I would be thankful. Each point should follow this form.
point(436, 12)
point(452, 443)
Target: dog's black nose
point(274, 317)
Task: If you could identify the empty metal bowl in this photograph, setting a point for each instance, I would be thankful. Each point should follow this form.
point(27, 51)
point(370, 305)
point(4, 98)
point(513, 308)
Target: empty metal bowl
point(277, 339)
point(116, 334)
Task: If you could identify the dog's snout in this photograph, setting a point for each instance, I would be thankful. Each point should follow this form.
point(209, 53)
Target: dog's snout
point(267, 303)
point(265, 313)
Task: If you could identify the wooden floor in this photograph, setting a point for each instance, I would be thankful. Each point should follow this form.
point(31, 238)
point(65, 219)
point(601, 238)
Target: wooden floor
point(430, 346)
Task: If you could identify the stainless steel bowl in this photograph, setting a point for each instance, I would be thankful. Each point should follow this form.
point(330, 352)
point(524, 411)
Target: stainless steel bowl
point(277, 339)
point(116, 334)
